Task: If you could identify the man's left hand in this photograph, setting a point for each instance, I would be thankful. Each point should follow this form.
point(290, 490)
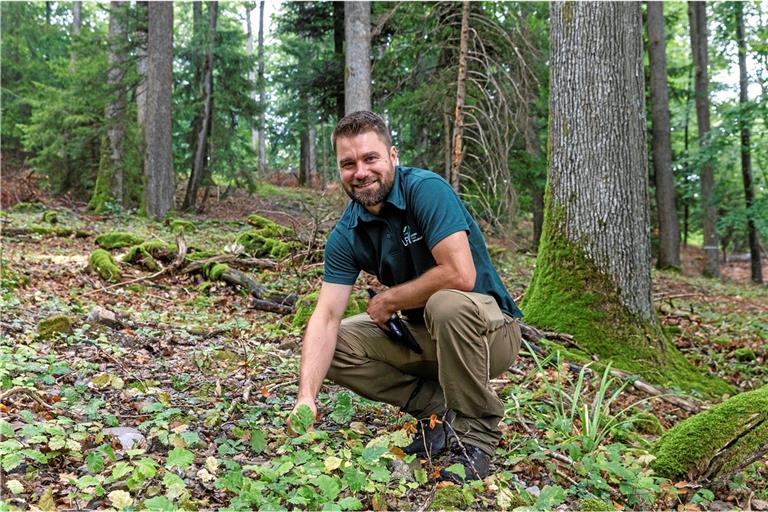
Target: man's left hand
point(380, 310)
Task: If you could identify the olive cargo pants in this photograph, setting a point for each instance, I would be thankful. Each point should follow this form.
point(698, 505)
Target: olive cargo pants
point(467, 341)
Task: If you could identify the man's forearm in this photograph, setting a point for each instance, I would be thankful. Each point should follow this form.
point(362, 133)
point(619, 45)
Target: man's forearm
point(316, 355)
point(415, 293)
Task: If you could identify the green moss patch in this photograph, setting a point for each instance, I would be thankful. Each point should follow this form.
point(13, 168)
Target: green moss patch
point(182, 226)
point(449, 498)
point(738, 426)
point(646, 423)
point(305, 306)
point(117, 240)
point(215, 271)
point(50, 217)
point(54, 325)
point(147, 254)
point(256, 244)
point(269, 228)
point(744, 354)
point(10, 278)
point(28, 207)
point(102, 263)
point(568, 293)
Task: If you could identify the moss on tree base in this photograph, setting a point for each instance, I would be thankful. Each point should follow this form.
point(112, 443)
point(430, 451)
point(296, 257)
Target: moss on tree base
point(570, 294)
point(716, 443)
point(54, 325)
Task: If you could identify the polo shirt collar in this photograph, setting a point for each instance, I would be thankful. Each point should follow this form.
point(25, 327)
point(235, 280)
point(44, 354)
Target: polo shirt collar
point(395, 197)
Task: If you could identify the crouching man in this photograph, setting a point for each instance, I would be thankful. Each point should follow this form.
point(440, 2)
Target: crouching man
point(408, 227)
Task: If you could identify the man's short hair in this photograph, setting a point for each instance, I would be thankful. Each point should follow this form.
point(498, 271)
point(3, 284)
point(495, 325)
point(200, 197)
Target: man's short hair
point(360, 122)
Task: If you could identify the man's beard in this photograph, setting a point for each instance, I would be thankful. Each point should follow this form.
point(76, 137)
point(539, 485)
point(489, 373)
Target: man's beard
point(372, 197)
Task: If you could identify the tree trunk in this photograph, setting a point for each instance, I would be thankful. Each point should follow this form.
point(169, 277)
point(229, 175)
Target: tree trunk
point(661, 144)
point(158, 170)
point(262, 96)
point(338, 51)
point(447, 144)
point(308, 158)
point(142, 63)
point(77, 19)
point(697, 16)
point(746, 155)
point(115, 111)
point(736, 434)
point(357, 84)
point(251, 74)
point(593, 272)
point(458, 112)
point(200, 147)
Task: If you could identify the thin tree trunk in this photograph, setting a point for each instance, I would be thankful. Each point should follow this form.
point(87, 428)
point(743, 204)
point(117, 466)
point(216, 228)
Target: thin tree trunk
point(200, 159)
point(251, 74)
point(338, 51)
point(746, 154)
point(262, 96)
point(697, 15)
point(312, 158)
point(661, 144)
point(115, 111)
point(142, 62)
point(77, 20)
point(461, 87)
point(160, 188)
point(447, 144)
point(357, 84)
point(686, 146)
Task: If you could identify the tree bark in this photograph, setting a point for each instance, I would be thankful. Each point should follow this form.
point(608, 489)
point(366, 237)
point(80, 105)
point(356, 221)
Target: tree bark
point(338, 50)
point(458, 111)
point(697, 15)
point(77, 20)
point(142, 62)
point(158, 170)
point(200, 147)
point(357, 83)
point(593, 270)
point(308, 158)
point(262, 96)
point(661, 144)
point(251, 74)
point(115, 111)
point(746, 154)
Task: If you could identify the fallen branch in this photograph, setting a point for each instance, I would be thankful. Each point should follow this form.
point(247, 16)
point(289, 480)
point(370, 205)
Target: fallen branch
point(532, 335)
point(272, 307)
point(31, 393)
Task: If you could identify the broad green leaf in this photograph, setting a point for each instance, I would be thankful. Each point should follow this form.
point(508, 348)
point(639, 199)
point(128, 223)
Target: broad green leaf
point(102, 380)
point(57, 443)
point(421, 476)
point(35, 455)
point(120, 499)
point(6, 430)
point(147, 467)
point(87, 481)
point(180, 457)
point(374, 452)
point(457, 469)
point(302, 419)
point(14, 486)
point(10, 446)
point(354, 478)
point(330, 486)
point(95, 462)
point(331, 463)
point(191, 438)
point(379, 474)
point(159, 503)
point(174, 485)
point(550, 497)
point(258, 441)
point(120, 470)
point(350, 503)
point(12, 460)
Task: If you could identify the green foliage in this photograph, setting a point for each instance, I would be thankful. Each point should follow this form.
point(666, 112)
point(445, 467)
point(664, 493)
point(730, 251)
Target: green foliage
point(104, 265)
point(50, 217)
point(54, 325)
point(258, 245)
point(10, 277)
point(117, 240)
point(215, 271)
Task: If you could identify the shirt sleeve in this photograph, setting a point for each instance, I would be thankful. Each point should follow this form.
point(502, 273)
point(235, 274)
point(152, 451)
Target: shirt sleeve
point(339, 264)
point(438, 210)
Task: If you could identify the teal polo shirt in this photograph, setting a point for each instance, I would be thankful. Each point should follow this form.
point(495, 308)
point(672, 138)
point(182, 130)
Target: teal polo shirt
point(395, 246)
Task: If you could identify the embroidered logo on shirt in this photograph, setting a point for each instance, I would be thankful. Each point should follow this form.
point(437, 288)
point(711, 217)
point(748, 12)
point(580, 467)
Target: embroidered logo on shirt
point(410, 237)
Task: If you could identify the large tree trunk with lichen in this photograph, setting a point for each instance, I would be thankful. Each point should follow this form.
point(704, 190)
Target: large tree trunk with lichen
point(736, 434)
point(115, 110)
point(661, 143)
point(593, 272)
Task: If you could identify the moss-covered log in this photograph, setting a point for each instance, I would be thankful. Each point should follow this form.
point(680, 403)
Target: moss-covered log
point(102, 263)
point(117, 240)
point(713, 445)
point(39, 229)
point(147, 254)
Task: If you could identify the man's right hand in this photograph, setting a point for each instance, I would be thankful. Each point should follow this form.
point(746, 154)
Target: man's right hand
point(302, 401)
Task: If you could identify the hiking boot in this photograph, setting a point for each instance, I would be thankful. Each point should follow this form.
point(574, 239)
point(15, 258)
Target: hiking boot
point(475, 461)
point(428, 442)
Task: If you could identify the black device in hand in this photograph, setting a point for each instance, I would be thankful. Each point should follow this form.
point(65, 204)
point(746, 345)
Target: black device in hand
point(398, 332)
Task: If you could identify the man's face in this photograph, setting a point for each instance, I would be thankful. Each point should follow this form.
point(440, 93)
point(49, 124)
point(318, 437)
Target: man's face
point(367, 168)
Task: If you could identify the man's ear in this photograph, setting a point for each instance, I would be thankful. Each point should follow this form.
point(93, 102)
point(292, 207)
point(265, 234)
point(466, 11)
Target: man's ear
point(393, 155)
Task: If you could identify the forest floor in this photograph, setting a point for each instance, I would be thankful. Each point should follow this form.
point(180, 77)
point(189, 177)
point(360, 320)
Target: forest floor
point(181, 402)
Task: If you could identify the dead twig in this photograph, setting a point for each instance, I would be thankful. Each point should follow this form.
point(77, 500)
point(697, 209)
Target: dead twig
point(31, 393)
